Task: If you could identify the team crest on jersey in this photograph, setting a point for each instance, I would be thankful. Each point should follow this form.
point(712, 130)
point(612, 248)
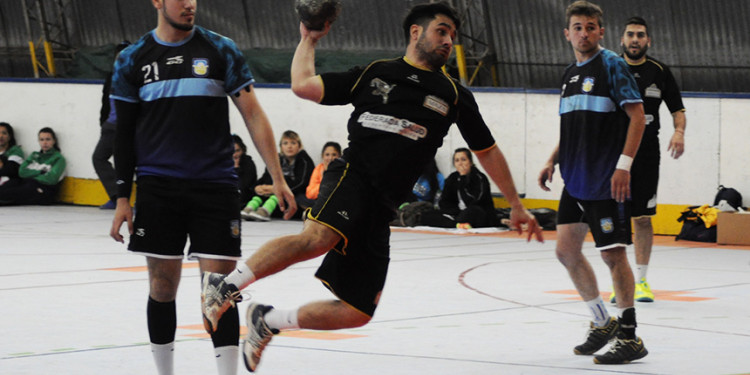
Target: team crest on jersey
point(607, 225)
point(588, 84)
point(382, 88)
point(200, 67)
point(234, 228)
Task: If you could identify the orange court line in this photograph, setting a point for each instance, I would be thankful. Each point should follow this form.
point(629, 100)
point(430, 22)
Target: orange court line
point(660, 295)
point(302, 334)
point(144, 268)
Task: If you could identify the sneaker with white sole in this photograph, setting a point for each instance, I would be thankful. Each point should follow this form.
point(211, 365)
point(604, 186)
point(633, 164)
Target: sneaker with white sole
point(598, 337)
point(245, 213)
point(216, 298)
point(258, 335)
point(622, 351)
point(260, 214)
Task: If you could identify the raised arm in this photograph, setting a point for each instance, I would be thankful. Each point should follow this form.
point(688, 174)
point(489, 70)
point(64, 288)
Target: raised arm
point(261, 133)
point(494, 163)
point(305, 83)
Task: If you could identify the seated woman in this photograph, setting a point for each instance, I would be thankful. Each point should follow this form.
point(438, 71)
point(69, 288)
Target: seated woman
point(245, 169)
point(331, 151)
point(11, 155)
point(466, 201)
point(297, 167)
point(41, 174)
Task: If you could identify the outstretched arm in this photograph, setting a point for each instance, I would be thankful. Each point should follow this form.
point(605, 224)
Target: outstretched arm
point(305, 83)
point(260, 130)
point(494, 163)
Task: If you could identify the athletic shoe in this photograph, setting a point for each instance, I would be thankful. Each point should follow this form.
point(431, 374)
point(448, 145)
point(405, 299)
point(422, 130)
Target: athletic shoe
point(216, 297)
point(110, 205)
point(612, 298)
point(258, 335)
point(622, 351)
point(597, 337)
point(260, 214)
point(643, 292)
point(245, 213)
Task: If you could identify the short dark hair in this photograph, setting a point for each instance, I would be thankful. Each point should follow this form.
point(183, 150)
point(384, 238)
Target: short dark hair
point(422, 14)
point(635, 20)
point(336, 146)
point(11, 135)
point(584, 8)
point(52, 133)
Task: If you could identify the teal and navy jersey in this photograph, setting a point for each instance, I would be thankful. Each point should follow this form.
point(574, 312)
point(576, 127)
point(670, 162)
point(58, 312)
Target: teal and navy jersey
point(401, 115)
point(593, 125)
point(656, 84)
point(182, 127)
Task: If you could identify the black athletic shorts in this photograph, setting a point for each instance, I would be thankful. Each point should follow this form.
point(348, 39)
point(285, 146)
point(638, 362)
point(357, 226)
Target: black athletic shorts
point(355, 270)
point(169, 210)
point(644, 180)
point(608, 220)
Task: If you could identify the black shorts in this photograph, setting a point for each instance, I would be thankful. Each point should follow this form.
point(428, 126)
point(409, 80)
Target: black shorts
point(608, 220)
point(355, 270)
point(644, 180)
point(169, 210)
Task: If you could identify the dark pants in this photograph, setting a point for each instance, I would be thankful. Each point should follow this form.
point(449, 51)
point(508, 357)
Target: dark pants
point(27, 191)
point(102, 153)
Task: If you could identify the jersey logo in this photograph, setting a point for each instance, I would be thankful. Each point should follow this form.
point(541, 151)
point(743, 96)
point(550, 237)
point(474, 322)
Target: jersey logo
point(382, 88)
point(344, 214)
point(436, 104)
point(200, 67)
point(588, 84)
point(607, 225)
point(392, 124)
point(234, 228)
point(176, 60)
point(413, 77)
point(653, 92)
point(574, 79)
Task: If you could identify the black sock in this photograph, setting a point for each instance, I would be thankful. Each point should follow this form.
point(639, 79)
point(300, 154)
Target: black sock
point(228, 329)
point(627, 323)
point(162, 321)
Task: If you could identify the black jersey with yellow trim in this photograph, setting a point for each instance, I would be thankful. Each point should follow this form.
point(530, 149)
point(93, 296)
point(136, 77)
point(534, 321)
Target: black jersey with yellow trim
point(401, 115)
point(656, 84)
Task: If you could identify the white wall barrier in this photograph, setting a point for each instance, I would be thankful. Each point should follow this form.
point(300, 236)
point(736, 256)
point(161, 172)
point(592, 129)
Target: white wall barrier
point(525, 125)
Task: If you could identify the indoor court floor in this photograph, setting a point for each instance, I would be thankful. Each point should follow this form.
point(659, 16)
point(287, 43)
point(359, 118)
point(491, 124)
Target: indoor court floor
point(74, 301)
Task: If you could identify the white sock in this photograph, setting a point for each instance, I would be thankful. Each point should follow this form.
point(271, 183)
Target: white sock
point(642, 269)
point(241, 277)
point(163, 357)
point(282, 319)
point(598, 311)
point(226, 359)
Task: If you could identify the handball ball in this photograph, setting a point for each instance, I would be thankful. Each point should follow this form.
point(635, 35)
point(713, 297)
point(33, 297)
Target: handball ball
point(315, 13)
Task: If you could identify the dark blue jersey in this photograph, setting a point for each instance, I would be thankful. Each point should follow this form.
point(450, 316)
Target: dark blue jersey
point(593, 125)
point(656, 84)
point(182, 125)
point(401, 115)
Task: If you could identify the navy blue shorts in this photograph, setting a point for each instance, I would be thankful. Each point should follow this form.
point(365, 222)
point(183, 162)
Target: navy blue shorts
point(169, 211)
point(608, 220)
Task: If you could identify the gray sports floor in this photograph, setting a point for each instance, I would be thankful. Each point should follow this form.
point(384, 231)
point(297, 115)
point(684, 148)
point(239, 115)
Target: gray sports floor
point(73, 302)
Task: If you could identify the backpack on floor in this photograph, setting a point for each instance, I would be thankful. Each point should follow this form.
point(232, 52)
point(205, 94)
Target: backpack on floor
point(693, 224)
point(730, 195)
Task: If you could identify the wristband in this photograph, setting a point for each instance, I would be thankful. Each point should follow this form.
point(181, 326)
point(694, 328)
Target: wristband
point(624, 162)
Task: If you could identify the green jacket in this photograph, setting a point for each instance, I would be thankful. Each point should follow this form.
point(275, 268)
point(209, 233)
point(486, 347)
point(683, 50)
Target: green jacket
point(47, 168)
point(15, 155)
